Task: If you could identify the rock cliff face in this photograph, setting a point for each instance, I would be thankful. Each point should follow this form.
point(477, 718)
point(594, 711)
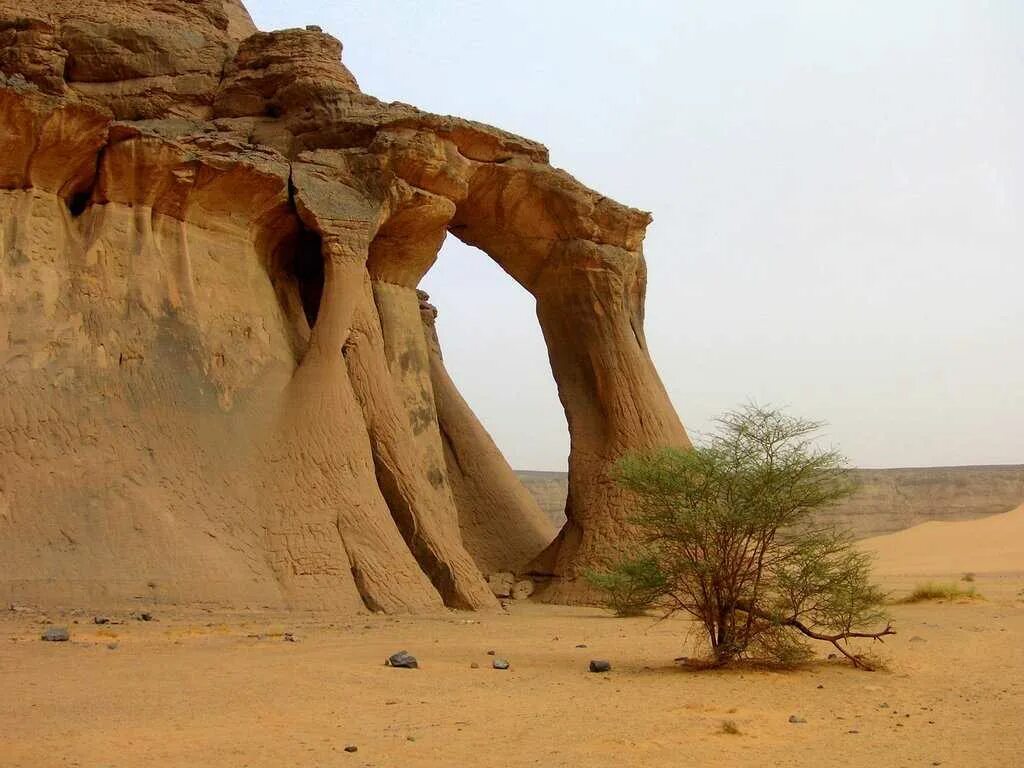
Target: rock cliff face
point(218, 381)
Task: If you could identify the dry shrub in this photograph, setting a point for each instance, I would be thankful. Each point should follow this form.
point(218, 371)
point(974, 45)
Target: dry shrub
point(935, 591)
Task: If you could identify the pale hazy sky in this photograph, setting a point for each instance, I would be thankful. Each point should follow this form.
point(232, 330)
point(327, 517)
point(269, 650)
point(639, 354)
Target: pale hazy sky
point(837, 189)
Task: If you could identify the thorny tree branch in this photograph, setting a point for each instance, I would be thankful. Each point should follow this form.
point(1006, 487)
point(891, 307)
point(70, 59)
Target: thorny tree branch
point(795, 623)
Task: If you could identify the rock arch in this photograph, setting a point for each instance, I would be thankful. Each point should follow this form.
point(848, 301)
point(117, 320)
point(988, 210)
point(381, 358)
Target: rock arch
point(229, 385)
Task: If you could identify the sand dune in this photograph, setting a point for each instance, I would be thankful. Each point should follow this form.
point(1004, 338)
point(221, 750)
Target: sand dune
point(990, 545)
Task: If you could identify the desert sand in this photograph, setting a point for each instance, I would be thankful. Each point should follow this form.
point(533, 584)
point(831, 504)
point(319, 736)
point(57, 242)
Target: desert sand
point(991, 545)
point(212, 687)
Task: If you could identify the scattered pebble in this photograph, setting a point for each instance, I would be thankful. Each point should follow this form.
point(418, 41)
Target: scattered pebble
point(490, 653)
point(111, 646)
point(474, 665)
point(796, 719)
point(500, 664)
point(56, 635)
point(290, 638)
point(145, 616)
point(351, 748)
point(600, 665)
point(100, 620)
point(522, 589)
point(581, 645)
point(402, 659)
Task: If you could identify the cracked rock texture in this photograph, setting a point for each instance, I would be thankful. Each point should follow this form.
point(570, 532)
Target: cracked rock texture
point(218, 381)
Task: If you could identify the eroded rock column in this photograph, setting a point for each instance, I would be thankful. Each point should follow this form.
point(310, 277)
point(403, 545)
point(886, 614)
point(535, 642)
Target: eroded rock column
point(580, 255)
point(590, 305)
point(500, 521)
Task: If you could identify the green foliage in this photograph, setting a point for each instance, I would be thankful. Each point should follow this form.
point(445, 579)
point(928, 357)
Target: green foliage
point(632, 587)
point(934, 591)
point(728, 527)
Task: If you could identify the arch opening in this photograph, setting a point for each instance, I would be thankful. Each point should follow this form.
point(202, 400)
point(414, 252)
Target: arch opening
point(494, 350)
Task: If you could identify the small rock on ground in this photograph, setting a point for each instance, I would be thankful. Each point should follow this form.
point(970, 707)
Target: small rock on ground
point(56, 635)
point(351, 748)
point(403, 659)
point(796, 719)
point(600, 665)
point(499, 664)
point(501, 583)
point(522, 589)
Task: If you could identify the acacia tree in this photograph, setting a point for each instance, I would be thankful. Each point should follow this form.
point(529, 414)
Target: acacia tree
point(729, 537)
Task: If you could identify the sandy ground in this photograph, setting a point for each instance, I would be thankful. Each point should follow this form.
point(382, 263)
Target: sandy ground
point(990, 545)
point(197, 689)
point(208, 688)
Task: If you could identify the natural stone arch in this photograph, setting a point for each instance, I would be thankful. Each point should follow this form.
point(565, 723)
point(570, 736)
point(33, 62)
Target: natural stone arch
point(580, 255)
point(161, 229)
point(501, 523)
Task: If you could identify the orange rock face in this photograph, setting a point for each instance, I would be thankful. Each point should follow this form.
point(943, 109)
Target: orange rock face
point(219, 381)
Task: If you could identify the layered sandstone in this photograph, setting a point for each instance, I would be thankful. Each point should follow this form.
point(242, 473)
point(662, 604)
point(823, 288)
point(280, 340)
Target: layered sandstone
point(219, 382)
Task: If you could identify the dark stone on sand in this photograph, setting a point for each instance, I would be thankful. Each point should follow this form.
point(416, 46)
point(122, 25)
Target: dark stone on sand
point(403, 659)
point(56, 635)
point(600, 665)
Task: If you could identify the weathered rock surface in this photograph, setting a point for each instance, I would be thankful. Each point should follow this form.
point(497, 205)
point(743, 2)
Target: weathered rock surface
point(501, 583)
point(216, 372)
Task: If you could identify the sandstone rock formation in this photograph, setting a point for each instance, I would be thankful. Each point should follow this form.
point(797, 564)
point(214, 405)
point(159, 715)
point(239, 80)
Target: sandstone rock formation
point(219, 382)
